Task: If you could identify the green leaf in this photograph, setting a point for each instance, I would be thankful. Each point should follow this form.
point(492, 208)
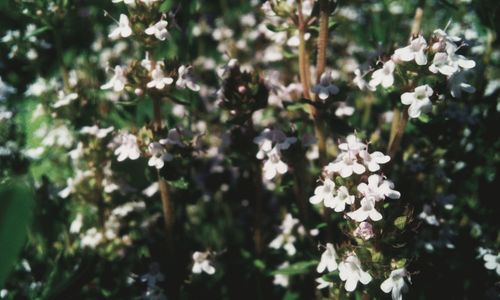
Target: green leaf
point(259, 264)
point(181, 184)
point(400, 222)
point(16, 205)
point(297, 268)
point(165, 6)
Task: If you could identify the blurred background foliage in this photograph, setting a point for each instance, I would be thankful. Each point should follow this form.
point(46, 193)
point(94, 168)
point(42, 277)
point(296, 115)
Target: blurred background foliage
point(451, 159)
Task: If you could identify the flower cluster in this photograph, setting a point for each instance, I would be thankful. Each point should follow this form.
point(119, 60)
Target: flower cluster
point(271, 142)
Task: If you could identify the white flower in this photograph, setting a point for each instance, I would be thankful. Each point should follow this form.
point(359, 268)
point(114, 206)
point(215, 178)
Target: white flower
point(352, 144)
point(428, 216)
point(457, 84)
point(91, 238)
point(448, 63)
point(63, 99)
point(159, 30)
point(396, 283)
point(272, 138)
point(345, 164)
point(173, 138)
point(373, 160)
point(360, 81)
point(185, 79)
point(344, 110)
point(384, 75)
point(123, 28)
point(492, 262)
point(158, 79)
point(127, 148)
point(366, 211)
point(322, 284)
point(418, 100)
point(282, 279)
point(158, 155)
point(328, 260)
point(285, 239)
point(128, 2)
point(99, 133)
point(76, 225)
point(149, 2)
point(325, 88)
point(350, 271)
point(414, 51)
point(274, 165)
point(5, 89)
point(341, 199)
point(377, 189)
point(118, 80)
point(324, 193)
point(364, 231)
point(201, 263)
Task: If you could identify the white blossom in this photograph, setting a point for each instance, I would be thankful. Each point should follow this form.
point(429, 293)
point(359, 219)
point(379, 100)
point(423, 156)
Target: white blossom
point(414, 51)
point(99, 133)
point(127, 148)
point(323, 284)
point(285, 239)
point(185, 79)
point(282, 279)
point(202, 264)
point(118, 81)
point(373, 160)
point(128, 2)
point(324, 193)
point(158, 155)
point(325, 88)
point(123, 28)
point(351, 272)
point(77, 223)
point(328, 260)
point(377, 189)
point(272, 138)
point(346, 164)
point(428, 216)
point(457, 84)
point(492, 262)
point(64, 99)
point(344, 110)
point(396, 284)
point(341, 199)
point(384, 75)
point(159, 30)
point(366, 211)
point(159, 81)
point(418, 100)
point(274, 165)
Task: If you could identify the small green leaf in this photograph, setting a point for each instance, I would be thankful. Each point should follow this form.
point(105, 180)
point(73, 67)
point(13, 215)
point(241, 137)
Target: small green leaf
point(297, 268)
point(400, 222)
point(165, 6)
point(16, 205)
